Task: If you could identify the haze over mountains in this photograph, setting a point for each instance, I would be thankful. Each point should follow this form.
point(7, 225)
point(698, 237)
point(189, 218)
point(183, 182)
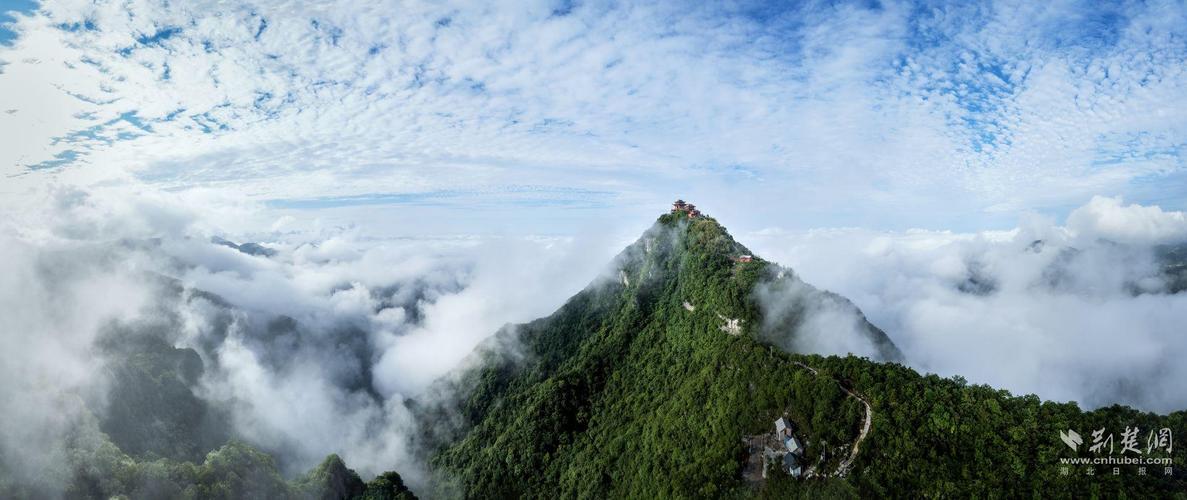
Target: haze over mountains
point(318, 348)
point(1076, 309)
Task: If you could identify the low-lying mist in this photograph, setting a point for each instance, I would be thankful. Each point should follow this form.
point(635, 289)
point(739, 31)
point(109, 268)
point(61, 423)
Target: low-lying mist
point(1085, 311)
point(310, 344)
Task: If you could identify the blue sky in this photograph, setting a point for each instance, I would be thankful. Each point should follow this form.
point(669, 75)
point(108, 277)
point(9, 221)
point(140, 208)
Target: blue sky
point(9, 9)
point(545, 116)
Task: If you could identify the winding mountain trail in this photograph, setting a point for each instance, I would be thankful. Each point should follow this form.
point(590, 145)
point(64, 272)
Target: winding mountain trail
point(843, 468)
point(806, 367)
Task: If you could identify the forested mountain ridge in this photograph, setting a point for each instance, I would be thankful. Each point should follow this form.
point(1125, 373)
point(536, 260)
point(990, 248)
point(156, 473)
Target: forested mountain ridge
point(645, 384)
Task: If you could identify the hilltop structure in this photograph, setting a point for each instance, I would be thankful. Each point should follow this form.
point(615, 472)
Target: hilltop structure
point(688, 208)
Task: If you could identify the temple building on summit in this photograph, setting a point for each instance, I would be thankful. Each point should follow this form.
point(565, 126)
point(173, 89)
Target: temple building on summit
point(687, 208)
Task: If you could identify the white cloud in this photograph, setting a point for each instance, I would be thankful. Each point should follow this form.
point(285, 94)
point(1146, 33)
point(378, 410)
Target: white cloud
point(1045, 309)
point(312, 351)
point(1108, 218)
point(56, 296)
point(902, 111)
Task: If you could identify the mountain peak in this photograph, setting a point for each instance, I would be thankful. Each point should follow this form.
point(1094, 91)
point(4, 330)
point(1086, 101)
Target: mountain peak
point(685, 314)
point(691, 258)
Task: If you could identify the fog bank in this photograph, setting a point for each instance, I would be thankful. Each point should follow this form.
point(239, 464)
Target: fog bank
point(1080, 311)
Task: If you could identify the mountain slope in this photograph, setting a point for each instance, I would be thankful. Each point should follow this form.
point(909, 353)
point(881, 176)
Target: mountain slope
point(641, 373)
point(646, 383)
point(151, 436)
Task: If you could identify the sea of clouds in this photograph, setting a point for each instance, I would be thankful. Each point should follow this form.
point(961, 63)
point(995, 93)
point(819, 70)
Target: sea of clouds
point(314, 349)
point(317, 348)
point(1074, 310)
